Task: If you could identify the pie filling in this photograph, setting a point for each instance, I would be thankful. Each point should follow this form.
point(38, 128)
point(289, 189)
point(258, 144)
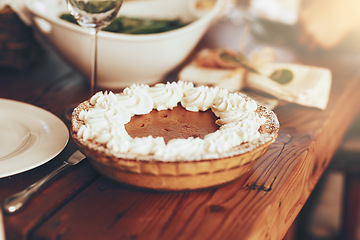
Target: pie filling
point(172, 124)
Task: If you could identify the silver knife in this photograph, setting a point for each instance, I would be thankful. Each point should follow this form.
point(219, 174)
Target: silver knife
point(15, 202)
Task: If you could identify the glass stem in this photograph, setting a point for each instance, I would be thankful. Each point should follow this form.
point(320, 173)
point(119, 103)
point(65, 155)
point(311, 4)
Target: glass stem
point(93, 77)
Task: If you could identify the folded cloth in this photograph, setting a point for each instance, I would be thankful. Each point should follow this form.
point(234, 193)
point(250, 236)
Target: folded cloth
point(234, 80)
point(310, 86)
point(304, 85)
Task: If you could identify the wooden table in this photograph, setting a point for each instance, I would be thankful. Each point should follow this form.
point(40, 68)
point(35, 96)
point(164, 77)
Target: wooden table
point(81, 204)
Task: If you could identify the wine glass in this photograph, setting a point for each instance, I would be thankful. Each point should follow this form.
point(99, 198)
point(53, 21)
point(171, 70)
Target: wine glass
point(94, 15)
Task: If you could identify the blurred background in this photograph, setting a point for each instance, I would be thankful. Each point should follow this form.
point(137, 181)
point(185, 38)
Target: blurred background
point(313, 27)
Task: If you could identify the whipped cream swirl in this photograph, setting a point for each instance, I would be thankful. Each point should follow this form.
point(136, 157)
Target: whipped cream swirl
point(166, 96)
point(104, 122)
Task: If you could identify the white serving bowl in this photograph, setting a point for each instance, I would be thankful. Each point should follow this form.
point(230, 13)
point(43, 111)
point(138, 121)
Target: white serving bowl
point(124, 59)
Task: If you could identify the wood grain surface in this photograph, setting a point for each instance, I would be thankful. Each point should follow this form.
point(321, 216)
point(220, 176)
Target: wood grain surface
point(263, 204)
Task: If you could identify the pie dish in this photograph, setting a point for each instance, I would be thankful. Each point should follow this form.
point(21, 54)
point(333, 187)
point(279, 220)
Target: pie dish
point(173, 136)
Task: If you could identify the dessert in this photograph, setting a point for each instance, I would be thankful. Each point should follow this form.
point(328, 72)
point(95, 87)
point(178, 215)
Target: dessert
point(173, 136)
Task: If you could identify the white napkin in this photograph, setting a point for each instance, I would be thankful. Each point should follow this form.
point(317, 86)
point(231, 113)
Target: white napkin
point(226, 78)
point(310, 86)
point(18, 6)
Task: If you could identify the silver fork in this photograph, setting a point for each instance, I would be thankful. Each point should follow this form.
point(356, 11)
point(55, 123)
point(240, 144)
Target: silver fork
point(15, 202)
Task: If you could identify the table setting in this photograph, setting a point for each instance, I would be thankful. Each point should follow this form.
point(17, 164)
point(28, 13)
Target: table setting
point(295, 100)
point(27, 136)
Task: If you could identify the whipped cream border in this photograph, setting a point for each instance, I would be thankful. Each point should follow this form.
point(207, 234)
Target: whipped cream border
point(102, 125)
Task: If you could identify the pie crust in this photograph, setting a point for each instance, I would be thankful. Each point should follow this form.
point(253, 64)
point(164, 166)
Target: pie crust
point(157, 174)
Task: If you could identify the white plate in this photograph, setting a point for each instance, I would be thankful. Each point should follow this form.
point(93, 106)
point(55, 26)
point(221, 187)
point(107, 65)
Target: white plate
point(29, 136)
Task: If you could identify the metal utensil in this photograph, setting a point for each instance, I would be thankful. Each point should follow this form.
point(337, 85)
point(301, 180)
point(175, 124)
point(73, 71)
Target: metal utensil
point(15, 202)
